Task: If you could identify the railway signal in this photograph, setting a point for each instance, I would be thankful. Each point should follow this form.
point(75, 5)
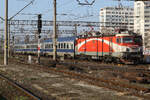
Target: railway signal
point(39, 26)
point(39, 23)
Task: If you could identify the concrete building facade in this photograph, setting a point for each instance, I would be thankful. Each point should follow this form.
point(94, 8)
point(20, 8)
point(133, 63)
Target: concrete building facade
point(119, 17)
point(142, 21)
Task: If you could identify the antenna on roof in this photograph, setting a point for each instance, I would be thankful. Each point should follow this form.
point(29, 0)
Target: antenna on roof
point(119, 3)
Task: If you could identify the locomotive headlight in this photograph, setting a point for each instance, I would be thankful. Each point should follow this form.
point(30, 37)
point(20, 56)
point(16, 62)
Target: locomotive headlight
point(127, 49)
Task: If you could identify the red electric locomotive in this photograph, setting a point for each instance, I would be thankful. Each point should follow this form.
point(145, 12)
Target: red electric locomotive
point(125, 47)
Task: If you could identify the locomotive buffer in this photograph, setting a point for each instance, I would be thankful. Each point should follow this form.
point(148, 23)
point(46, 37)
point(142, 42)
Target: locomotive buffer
point(39, 36)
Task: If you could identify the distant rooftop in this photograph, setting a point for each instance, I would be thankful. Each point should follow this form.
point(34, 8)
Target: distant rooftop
point(117, 7)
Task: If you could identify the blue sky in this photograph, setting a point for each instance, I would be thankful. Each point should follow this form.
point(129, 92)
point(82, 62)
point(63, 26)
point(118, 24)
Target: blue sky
point(66, 9)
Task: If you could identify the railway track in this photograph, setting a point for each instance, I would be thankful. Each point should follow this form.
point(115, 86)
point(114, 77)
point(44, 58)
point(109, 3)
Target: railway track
point(20, 91)
point(100, 66)
point(101, 82)
point(124, 71)
point(128, 73)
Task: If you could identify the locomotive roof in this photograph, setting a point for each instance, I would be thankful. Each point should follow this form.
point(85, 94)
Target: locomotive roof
point(123, 35)
point(108, 35)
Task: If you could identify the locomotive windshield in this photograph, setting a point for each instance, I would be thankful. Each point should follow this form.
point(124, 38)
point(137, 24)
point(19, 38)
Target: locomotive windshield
point(127, 39)
point(138, 40)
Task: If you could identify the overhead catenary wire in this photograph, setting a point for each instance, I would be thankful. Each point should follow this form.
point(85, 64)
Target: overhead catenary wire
point(21, 9)
point(59, 5)
point(86, 2)
point(48, 10)
point(2, 19)
point(78, 16)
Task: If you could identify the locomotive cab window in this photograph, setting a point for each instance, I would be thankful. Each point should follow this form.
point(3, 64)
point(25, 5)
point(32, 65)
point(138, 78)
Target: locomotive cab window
point(127, 39)
point(118, 40)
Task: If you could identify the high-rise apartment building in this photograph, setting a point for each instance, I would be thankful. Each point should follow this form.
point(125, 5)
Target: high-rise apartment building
point(142, 20)
point(119, 17)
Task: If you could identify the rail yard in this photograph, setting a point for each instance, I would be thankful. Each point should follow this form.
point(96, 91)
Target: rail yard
point(75, 50)
point(75, 80)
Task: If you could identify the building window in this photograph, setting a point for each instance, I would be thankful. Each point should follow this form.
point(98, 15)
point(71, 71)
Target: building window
point(146, 25)
point(146, 20)
point(138, 4)
point(146, 11)
point(107, 15)
point(147, 7)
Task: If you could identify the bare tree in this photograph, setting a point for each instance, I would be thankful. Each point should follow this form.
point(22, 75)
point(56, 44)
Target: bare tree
point(107, 30)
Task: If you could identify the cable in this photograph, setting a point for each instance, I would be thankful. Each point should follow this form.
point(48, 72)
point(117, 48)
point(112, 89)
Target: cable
point(86, 2)
point(2, 19)
point(21, 10)
point(27, 14)
point(70, 1)
point(77, 15)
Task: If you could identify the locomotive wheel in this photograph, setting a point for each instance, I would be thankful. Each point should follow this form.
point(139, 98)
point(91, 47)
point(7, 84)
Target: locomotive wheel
point(107, 59)
point(117, 60)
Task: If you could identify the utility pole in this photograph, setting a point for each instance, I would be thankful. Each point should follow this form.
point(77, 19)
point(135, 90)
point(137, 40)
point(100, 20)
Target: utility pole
point(39, 31)
point(54, 33)
point(6, 34)
point(9, 39)
point(13, 44)
point(75, 28)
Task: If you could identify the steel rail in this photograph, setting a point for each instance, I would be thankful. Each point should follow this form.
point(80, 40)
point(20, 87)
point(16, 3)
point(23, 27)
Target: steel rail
point(20, 88)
